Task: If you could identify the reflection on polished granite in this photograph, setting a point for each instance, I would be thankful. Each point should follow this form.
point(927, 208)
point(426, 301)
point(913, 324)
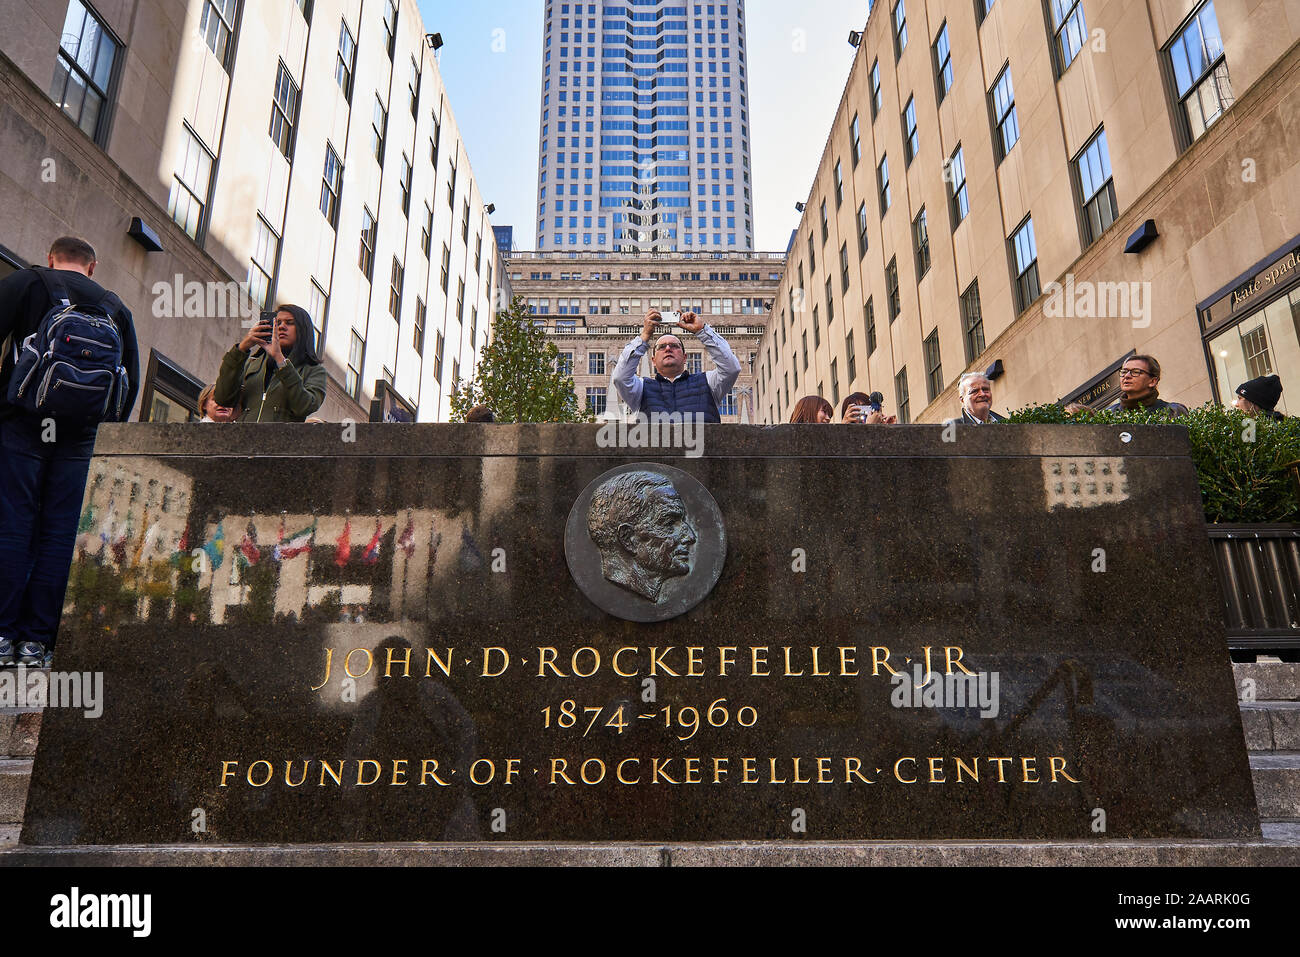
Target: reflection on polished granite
point(257, 596)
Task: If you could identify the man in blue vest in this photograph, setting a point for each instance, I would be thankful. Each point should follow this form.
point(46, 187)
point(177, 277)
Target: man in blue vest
point(673, 388)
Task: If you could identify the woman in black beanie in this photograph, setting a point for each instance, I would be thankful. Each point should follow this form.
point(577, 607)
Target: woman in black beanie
point(1260, 395)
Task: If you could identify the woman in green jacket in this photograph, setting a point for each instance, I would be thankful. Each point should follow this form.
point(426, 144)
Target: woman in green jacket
point(285, 381)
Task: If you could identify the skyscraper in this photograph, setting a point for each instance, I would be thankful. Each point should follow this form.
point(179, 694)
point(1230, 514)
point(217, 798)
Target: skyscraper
point(644, 129)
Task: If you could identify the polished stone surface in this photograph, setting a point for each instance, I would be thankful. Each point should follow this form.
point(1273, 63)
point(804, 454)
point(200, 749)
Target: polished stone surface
point(1070, 561)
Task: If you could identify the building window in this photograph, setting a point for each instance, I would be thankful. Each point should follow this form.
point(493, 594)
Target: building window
point(901, 397)
point(369, 230)
point(891, 289)
point(318, 308)
point(911, 142)
point(1200, 72)
point(869, 320)
point(850, 358)
point(596, 399)
point(413, 86)
point(862, 229)
point(284, 110)
point(728, 404)
point(830, 303)
point(395, 290)
point(446, 267)
point(404, 184)
point(695, 362)
point(805, 351)
point(1070, 29)
point(378, 129)
point(420, 315)
point(835, 382)
point(921, 244)
point(1096, 187)
point(826, 231)
point(426, 232)
point(817, 330)
point(564, 363)
point(331, 186)
point(261, 268)
point(942, 63)
point(839, 185)
point(83, 70)
point(464, 224)
point(900, 29)
point(451, 187)
point(437, 357)
point(844, 267)
point(596, 363)
point(1003, 100)
point(390, 27)
point(855, 141)
point(982, 8)
point(216, 25)
point(345, 63)
point(955, 175)
point(460, 300)
point(355, 351)
point(1025, 253)
point(190, 185)
point(882, 180)
point(933, 369)
point(876, 99)
point(972, 320)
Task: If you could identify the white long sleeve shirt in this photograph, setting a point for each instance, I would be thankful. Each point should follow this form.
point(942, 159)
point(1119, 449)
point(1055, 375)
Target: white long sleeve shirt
point(721, 378)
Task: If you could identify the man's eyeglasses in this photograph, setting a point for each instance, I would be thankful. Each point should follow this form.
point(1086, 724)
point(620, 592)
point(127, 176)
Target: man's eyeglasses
point(1127, 373)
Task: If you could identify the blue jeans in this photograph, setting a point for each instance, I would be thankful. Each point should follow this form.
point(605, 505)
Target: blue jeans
point(42, 485)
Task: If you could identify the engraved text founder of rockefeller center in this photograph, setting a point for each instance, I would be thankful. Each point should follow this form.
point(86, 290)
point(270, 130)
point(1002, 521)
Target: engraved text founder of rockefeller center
point(639, 523)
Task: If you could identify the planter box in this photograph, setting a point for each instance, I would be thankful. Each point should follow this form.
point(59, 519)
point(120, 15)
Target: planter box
point(1259, 578)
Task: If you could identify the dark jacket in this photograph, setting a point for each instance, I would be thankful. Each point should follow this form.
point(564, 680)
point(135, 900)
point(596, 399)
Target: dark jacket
point(24, 301)
point(1150, 403)
point(969, 419)
point(290, 395)
point(689, 394)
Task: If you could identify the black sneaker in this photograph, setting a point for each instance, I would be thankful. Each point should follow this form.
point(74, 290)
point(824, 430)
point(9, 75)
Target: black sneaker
point(7, 659)
point(32, 654)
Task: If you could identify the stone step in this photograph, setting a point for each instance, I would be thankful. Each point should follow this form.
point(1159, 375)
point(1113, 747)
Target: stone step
point(1271, 725)
point(1274, 680)
point(1277, 784)
point(19, 730)
point(15, 776)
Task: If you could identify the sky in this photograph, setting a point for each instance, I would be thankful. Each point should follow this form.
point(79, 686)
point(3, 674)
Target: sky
point(798, 57)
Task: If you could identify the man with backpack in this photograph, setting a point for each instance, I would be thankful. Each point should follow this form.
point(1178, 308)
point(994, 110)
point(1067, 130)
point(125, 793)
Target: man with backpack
point(70, 362)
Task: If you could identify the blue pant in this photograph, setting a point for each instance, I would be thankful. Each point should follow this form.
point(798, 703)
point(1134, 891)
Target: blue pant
point(41, 489)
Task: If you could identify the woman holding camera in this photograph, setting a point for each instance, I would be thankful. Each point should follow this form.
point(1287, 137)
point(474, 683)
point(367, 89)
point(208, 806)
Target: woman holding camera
point(285, 381)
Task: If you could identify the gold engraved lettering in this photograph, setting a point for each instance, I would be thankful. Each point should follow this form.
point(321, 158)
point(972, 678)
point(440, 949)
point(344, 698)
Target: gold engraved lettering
point(955, 659)
point(656, 770)
point(623, 780)
point(226, 771)
point(491, 771)
point(788, 672)
point(726, 660)
point(816, 673)
point(719, 769)
point(772, 777)
point(1027, 768)
point(399, 767)
point(756, 659)
point(266, 780)
point(599, 764)
point(901, 779)
point(617, 670)
point(853, 769)
point(692, 768)
point(972, 771)
point(936, 771)
point(336, 775)
point(329, 663)
point(431, 772)
point(1001, 762)
point(595, 663)
point(797, 779)
point(406, 663)
point(656, 662)
point(557, 770)
point(877, 661)
point(747, 766)
point(928, 669)
point(431, 658)
point(848, 656)
point(347, 662)
point(512, 769)
point(823, 770)
point(361, 768)
point(694, 662)
point(487, 662)
point(288, 767)
point(1051, 762)
point(547, 660)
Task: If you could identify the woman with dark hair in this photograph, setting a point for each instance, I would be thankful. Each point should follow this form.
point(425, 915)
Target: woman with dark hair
point(857, 408)
point(285, 381)
point(813, 409)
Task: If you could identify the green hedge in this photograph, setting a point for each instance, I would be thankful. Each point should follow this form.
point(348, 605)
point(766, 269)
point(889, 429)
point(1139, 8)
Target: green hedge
point(1241, 461)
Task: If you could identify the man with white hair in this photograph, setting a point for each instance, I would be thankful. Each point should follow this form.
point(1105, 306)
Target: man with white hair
point(673, 388)
point(976, 393)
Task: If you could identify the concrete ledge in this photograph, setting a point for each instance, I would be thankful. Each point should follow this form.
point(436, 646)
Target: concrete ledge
point(1276, 777)
point(15, 777)
point(1274, 680)
point(1280, 848)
